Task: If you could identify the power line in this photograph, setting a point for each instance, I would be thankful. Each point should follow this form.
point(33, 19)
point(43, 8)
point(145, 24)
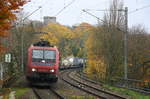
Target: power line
point(103, 10)
point(139, 9)
point(86, 10)
point(95, 10)
point(93, 15)
point(32, 13)
point(65, 7)
point(120, 9)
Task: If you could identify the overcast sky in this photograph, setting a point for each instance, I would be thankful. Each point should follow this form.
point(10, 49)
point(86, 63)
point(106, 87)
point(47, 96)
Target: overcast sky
point(74, 15)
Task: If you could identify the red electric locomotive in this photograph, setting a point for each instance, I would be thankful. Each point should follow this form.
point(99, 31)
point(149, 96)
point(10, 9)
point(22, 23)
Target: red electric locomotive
point(43, 63)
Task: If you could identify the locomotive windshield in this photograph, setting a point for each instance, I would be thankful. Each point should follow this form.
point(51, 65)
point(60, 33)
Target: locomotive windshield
point(46, 56)
point(37, 54)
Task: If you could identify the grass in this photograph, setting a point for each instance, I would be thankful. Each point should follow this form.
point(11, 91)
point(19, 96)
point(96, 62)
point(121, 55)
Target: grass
point(5, 93)
point(20, 91)
point(132, 94)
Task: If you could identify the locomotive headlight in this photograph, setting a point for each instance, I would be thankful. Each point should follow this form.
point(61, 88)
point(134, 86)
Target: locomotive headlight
point(52, 70)
point(33, 69)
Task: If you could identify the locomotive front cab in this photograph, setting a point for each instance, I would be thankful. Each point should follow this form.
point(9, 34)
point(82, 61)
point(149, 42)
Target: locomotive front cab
point(43, 64)
point(43, 57)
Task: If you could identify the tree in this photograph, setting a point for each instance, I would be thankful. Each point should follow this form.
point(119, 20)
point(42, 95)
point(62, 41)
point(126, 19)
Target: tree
point(105, 45)
point(105, 48)
point(7, 15)
point(138, 52)
point(112, 40)
point(28, 32)
point(60, 36)
point(82, 31)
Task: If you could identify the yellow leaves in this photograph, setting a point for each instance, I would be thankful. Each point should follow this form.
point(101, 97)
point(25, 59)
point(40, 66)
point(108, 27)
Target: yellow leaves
point(51, 38)
point(95, 63)
point(83, 28)
point(89, 42)
point(96, 67)
point(56, 32)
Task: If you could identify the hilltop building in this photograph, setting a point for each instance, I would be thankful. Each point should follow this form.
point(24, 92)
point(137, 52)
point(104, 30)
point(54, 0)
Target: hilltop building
point(48, 19)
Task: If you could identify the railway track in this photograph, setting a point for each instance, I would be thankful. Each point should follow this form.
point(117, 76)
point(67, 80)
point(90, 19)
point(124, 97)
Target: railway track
point(95, 85)
point(58, 95)
point(47, 94)
point(84, 77)
point(38, 96)
point(70, 78)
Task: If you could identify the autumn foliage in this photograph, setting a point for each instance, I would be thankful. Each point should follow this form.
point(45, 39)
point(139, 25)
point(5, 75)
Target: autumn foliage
point(105, 49)
point(60, 36)
point(8, 8)
point(56, 32)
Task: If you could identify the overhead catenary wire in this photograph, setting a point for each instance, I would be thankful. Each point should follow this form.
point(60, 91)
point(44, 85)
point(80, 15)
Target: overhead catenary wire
point(99, 19)
point(32, 13)
point(103, 10)
point(139, 9)
point(93, 15)
point(65, 7)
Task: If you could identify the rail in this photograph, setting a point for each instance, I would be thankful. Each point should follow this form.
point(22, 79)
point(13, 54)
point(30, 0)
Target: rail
point(136, 85)
point(38, 94)
point(98, 92)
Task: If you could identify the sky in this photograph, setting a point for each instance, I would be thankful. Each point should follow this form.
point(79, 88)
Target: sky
point(74, 15)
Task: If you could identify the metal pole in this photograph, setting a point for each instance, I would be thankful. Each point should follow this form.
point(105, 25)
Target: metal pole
point(1, 71)
point(22, 46)
point(22, 39)
point(126, 45)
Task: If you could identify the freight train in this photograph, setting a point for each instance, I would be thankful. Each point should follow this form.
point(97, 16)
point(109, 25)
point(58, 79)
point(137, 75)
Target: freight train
point(43, 63)
point(70, 62)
